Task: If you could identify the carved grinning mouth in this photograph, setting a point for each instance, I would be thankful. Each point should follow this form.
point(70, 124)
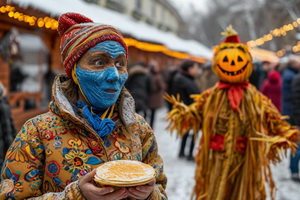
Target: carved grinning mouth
point(235, 72)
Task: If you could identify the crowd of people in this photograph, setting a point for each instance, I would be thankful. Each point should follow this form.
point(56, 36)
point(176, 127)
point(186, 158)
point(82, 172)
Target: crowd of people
point(54, 154)
point(280, 85)
point(279, 82)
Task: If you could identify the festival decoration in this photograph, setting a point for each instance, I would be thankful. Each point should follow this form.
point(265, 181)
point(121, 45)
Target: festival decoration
point(232, 60)
point(51, 23)
point(242, 131)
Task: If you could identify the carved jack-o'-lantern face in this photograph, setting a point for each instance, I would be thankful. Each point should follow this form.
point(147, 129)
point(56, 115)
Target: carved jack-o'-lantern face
point(233, 63)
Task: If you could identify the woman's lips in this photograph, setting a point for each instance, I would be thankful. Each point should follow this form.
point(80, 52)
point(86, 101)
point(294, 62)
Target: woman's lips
point(110, 91)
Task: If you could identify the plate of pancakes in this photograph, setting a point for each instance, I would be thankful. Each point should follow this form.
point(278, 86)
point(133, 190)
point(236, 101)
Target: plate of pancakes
point(124, 173)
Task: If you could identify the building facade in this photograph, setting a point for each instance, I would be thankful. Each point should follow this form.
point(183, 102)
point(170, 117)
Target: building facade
point(158, 13)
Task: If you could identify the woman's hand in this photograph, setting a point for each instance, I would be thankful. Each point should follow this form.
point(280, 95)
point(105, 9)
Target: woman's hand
point(141, 191)
point(92, 192)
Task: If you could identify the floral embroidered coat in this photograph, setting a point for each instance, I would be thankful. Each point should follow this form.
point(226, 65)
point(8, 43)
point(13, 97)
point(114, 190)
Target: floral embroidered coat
point(53, 150)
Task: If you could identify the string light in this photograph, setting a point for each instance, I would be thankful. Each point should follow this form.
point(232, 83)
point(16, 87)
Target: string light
point(295, 49)
point(176, 54)
point(46, 22)
point(263, 54)
point(277, 32)
point(51, 23)
point(145, 46)
point(281, 52)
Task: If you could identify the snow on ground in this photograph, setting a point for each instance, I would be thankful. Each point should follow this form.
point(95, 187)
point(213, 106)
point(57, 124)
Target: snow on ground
point(286, 188)
point(180, 172)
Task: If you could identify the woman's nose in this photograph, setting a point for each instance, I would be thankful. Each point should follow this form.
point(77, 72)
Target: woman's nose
point(113, 75)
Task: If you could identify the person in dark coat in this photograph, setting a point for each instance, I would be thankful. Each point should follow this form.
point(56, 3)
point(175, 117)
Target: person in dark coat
point(139, 85)
point(171, 72)
point(208, 78)
point(288, 104)
point(287, 77)
point(272, 88)
point(295, 119)
point(156, 100)
point(7, 128)
point(184, 85)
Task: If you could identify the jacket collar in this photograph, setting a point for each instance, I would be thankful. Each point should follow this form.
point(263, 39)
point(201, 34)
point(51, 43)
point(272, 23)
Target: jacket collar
point(60, 105)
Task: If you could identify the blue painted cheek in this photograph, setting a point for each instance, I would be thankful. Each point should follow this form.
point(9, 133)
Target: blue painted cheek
point(123, 79)
point(94, 83)
point(111, 74)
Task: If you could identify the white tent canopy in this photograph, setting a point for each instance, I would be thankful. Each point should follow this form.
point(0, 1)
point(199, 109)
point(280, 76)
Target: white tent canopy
point(126, 24)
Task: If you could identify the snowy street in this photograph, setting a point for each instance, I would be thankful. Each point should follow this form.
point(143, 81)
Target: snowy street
point(180, 172)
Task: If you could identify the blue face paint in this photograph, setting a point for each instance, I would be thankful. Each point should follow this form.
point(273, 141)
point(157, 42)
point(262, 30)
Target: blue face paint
point(112, 47)
point(102, 88)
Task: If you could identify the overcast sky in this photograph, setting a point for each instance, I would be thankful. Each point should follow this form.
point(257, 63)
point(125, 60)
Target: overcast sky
point(183, 6)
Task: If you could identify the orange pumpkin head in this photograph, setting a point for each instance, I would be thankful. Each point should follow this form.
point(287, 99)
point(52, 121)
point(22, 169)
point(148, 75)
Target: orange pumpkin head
point(232, 61)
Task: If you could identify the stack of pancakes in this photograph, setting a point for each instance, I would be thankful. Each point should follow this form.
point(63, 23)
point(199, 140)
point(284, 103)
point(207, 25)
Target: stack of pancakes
point(124, 173)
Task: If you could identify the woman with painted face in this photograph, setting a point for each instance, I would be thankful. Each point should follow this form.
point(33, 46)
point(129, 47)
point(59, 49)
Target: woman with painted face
point(91, 120)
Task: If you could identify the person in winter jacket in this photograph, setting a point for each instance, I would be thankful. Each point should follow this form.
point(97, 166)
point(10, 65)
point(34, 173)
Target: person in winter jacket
point(170, 73)
point(7, 128)
point(184, 85)
point(272, 88)
point(287, 77)
point(139, 84)
point(295, 119)
point(156, 100)
point(91, 120)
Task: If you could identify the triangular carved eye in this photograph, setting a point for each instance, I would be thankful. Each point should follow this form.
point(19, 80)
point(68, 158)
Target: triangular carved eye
point(225, 59)
point(240, 59)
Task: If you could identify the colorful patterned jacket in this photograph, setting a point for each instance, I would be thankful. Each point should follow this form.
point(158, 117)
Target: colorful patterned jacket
point(54, 150)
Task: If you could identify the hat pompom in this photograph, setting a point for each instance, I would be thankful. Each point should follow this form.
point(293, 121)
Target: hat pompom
point(67, 20)
point(231, 35)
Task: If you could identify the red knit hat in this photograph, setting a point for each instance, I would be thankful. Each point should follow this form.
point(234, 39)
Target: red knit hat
point(79, 33)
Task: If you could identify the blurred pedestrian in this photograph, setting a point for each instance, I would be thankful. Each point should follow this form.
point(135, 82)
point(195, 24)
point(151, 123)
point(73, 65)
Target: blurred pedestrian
point(295, 119)
point(184, 85)
point(208, 78)
point(139, 84)
point(288, 74)
point(266, 66)
point(91, 121)
point(271, 87)
point(254, 78)
point(170, 74)
point(17, 77)
point(7, 128)
point(156, 100)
